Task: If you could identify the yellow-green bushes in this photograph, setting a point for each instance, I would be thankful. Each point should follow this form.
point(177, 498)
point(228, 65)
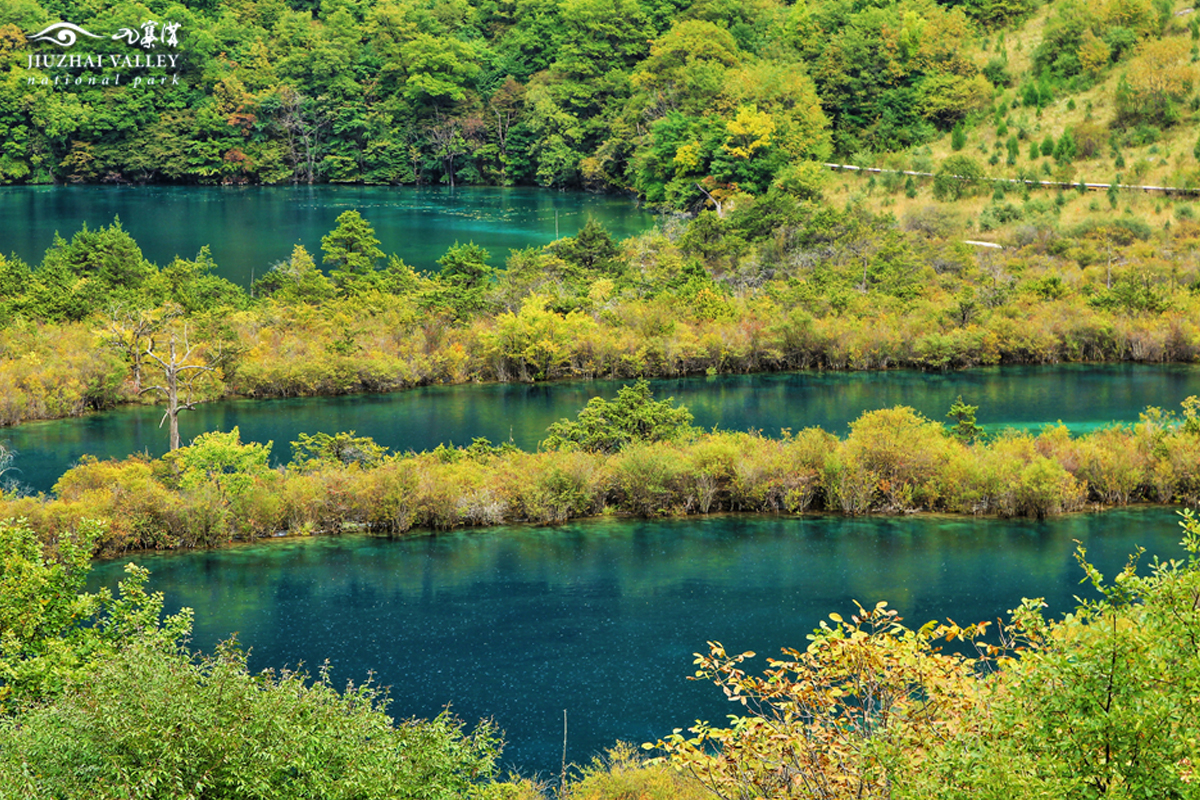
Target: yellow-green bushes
point(49, 371)
point(1114, 465)
point(555, 486)
point(896, 451)
point(647, 479)
point(377, 342)
point(622, 774)
point(142, 512)
point(892, 461)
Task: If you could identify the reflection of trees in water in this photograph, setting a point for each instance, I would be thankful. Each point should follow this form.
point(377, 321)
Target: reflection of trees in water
point(251, 228)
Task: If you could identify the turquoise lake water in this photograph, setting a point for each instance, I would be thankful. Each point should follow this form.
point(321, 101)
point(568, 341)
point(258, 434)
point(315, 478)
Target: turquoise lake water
point(250, 228)
point(601, 618)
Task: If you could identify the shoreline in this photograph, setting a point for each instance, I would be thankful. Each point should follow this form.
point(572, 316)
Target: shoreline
point(593, 378)
point(892, 461)
point(417, 533)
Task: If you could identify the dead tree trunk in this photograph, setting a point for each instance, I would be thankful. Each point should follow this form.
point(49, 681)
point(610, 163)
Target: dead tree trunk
point(177, 374)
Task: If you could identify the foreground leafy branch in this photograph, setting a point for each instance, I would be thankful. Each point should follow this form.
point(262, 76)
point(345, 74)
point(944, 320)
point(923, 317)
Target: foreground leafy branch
point(1102, 703)
point(830, 721)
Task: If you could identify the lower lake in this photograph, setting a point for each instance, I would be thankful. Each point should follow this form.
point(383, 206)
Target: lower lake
point(601, 618)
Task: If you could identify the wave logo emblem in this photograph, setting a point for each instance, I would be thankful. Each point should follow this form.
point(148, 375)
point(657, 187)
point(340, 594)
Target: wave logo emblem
point(63, 34)
point(148, 35)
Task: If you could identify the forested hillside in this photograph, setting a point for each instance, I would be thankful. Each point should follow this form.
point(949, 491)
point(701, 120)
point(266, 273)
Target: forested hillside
point(679, 102)
point(650, 96)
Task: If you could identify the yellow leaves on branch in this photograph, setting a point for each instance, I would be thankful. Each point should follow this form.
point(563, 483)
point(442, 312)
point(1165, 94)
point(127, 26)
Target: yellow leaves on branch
point(836, 720)
point(537, 341)
point(1160, 74)
point(788, 97)
point(1094, 53)
point(687, 157)
point(749, 132)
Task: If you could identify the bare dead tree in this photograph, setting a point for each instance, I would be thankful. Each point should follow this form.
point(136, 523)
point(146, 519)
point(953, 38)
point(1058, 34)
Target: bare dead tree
point(9, 485)
point(177, 374)
point(446, 136)
point(129, 331)
point(7, 456)
point(506, 105)
point(717, 202)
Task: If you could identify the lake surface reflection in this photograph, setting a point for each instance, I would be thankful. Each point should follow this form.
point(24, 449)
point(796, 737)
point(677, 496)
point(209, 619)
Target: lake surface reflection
point(249, 228)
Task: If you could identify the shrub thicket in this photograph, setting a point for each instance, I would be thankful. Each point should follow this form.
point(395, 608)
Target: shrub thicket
point(893, 461)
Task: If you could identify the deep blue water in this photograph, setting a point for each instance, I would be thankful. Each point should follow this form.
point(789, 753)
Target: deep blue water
point(601, 618)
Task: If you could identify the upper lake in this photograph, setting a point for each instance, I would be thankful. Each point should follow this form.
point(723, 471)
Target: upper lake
point(250, 228)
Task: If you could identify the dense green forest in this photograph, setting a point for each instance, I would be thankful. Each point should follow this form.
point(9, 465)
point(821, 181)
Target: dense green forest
point(647, 96)
point(678, 102)
point(657, 98)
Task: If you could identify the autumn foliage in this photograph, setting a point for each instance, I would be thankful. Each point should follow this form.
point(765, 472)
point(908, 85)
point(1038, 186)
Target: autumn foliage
point(1099, 703)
